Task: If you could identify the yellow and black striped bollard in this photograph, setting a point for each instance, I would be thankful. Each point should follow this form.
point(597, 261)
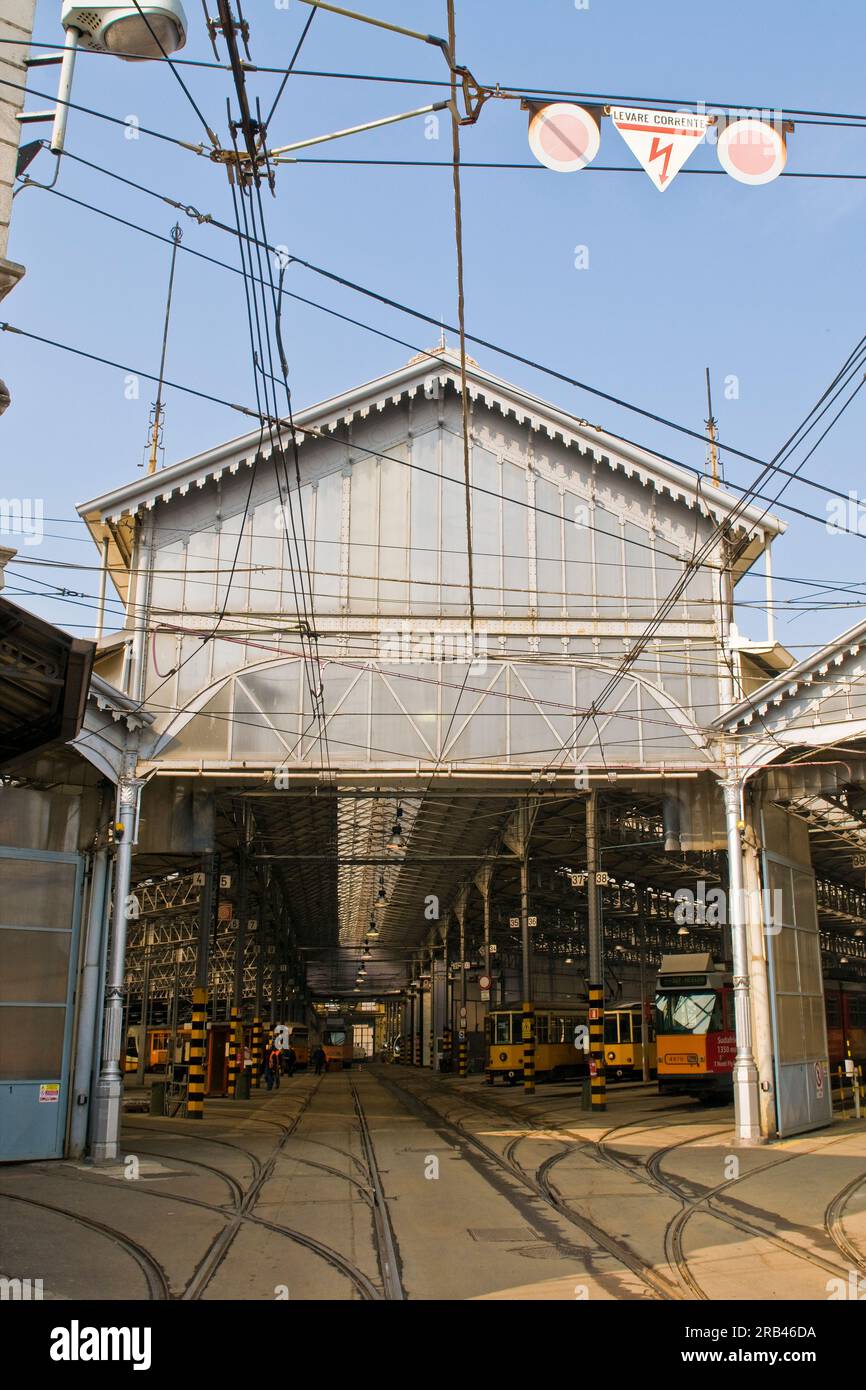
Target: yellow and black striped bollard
point(235, 1062)
point(257, 1051)
point(597, 1086)
point(528, 1046)
point(198, 1033)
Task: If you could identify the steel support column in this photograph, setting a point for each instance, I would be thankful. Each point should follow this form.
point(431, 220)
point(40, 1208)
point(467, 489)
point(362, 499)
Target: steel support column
point(596, 960)
point(462, 1045)
point(644, 1029)
point(109, 1089)
point(88, 1009)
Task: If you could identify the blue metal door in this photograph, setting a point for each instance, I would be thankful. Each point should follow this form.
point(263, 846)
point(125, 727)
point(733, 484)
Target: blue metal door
point(40, 910)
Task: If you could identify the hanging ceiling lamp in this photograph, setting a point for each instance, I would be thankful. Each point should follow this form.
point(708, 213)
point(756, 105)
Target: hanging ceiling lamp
point(395, 840)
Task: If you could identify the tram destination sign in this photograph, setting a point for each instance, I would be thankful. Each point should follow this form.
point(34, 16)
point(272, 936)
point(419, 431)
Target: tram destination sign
point(683, 981)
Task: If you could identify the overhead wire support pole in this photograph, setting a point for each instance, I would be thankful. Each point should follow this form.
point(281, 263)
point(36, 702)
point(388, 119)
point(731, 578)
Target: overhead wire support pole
point(275, 154)
point(177, 237)
point(712, 449)
point(249, 128)
point(461, 304)
point(378, 23)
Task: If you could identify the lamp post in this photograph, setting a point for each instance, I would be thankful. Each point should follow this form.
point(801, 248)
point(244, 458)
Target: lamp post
point(134, 32)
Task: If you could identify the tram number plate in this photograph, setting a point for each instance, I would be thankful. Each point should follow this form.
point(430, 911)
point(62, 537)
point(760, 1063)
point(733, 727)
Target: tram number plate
point(859, 861)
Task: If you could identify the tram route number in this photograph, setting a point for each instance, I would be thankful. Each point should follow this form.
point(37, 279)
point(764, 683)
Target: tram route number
point(859, 861)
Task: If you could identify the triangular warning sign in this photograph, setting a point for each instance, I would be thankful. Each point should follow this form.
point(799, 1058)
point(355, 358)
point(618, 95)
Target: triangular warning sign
point(660, 140)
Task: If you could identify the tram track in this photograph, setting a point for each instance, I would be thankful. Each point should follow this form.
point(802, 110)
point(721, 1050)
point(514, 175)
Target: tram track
point(594, 1150)
point(242, 1210)
point(157, 1280)
point(386, 1245)
point(649, 1171)
point(833, 1223)
point(660, 1288)
point(331, 1256)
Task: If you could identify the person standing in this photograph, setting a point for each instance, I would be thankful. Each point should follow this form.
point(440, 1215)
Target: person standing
point(266, 1064)
point(319, 1059)
point(274, 1065)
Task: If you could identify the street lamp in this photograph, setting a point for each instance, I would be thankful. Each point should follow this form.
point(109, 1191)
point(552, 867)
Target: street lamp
point(135, 32)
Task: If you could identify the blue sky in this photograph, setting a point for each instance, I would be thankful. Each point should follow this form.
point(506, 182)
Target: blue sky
point(761, 284)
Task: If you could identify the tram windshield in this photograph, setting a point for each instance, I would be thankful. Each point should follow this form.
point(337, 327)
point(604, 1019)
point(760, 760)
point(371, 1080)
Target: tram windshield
point(692, 1012)
point(335, 1037)
point(504, 1028)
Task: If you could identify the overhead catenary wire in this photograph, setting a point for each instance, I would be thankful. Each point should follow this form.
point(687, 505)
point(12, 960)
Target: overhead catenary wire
point(718, 534)
point(290, 69)
point(177, 76)
point(432, 354)
point(249, 191)
point(461, 303)
point(387, 301)
point(513, 90)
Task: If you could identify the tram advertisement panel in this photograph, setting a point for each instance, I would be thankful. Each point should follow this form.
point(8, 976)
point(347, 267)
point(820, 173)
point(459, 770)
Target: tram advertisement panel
point(721, 1051)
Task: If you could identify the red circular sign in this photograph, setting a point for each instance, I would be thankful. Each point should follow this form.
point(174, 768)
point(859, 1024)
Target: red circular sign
point(564, 137)
point(752, 151)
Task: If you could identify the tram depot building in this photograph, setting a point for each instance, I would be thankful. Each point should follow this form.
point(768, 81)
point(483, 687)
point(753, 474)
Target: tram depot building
point(303, 666)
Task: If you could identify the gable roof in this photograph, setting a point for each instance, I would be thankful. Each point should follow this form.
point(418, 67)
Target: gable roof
point(788, 685)
point(110, 516)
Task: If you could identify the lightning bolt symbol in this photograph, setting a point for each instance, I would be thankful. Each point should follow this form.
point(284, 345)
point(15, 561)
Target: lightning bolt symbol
point(657, 152)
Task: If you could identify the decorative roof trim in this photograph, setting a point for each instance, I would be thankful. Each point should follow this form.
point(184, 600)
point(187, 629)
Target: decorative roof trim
point(526, 410)
point(798, 678)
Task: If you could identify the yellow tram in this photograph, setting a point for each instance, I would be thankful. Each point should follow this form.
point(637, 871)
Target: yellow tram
point(556, 1056)
point(623, 1049)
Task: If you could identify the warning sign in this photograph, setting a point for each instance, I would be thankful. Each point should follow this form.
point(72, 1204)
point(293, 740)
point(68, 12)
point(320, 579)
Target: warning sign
point(661, 141)
point(49, 1093)
point(819, 1080)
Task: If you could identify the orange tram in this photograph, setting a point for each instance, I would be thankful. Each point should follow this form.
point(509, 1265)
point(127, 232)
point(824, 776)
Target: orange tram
point(337, 1043)
point(695, 1034)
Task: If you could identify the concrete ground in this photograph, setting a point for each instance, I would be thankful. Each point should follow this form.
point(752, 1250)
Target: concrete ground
point(392, 1182)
